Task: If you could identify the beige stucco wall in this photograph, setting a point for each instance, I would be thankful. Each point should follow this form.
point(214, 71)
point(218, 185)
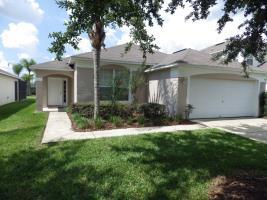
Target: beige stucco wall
point(182, 91)
point(163, 89)
point(41, 86)
point(85, 85)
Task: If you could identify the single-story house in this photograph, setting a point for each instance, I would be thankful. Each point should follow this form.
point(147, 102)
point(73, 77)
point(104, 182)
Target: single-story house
point(185, 77)
point(10, 88)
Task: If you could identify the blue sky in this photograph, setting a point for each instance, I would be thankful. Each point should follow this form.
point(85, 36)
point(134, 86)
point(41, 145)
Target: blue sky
point(25, 25)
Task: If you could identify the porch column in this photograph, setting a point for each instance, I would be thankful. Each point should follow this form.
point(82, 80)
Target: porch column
point(75, 85)
point(39, 93)
point(188, 90)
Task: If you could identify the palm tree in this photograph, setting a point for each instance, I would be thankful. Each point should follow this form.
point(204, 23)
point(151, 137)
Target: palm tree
point(26, 63)
point(17, 69)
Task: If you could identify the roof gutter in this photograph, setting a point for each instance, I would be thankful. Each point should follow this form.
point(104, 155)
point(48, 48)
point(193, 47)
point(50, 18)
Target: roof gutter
point(206, 66)
point(112, 61)
point(161, 68)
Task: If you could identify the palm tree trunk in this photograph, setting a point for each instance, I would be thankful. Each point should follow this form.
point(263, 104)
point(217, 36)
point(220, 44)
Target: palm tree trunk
point(96, 59)
point(97, 37)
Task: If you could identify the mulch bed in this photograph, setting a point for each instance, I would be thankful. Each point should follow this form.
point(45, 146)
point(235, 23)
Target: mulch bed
point(242, 187)
point(110, 126)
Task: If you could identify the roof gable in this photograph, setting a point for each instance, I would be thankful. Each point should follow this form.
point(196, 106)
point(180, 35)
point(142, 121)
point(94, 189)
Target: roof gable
point(8, 74)
point(117, 53)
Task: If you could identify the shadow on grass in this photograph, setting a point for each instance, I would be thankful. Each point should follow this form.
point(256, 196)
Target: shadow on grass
point(164, 166)
point(48, 173)
point(183, 162)
point(12, 108)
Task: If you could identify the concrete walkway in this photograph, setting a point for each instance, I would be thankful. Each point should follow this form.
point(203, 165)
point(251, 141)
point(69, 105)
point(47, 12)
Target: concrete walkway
point(253, 128)
point(58, 128)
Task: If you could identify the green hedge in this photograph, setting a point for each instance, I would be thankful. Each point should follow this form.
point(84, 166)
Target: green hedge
point(263, 104)
point(151, 112)
point(105, 110)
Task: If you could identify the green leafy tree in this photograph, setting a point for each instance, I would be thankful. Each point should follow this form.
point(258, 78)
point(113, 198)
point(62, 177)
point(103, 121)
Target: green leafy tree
point(92, 17)
point(25, 64)
point(252, 41)
point(17, 69)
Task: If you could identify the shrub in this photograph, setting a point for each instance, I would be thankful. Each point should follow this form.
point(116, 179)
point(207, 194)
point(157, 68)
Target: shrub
point(80, 121)
point(263, 104)
point(154, 112)
point(188, 110)
point(131, 120)
point(141, 120)
point(99, 123)
point(178, 118)
point(105, 110)
point(116, 121)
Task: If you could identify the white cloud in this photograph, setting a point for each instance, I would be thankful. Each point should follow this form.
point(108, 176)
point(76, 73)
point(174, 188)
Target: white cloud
point(21, 35)
point(4, 63)
point(176, 33)
point(84, 45)
point(22, 10)
point(23, 55)
point(125, 37)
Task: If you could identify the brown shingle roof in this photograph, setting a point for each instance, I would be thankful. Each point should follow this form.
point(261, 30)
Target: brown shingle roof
point(215, 48)
point(193, 57)
point(117, 53)
point(54, 65)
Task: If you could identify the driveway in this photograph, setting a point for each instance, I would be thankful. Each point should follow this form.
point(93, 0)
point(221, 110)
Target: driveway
point(253, 128)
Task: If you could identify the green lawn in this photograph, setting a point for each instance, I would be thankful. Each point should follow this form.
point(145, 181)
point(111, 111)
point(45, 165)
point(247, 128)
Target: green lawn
point(160, 166)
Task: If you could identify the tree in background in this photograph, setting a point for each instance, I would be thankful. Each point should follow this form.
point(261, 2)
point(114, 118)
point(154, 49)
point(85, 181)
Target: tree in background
point(25, 64)
point(252, 41)
point(92, 17)
point(17, 69)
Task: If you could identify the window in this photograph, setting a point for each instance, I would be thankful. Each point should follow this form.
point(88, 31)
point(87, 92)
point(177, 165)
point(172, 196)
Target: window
point(249, 61)
point(114, 83)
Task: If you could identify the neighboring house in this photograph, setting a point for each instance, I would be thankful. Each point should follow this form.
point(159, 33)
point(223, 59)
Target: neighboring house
point(176, 80)
point(10, 87)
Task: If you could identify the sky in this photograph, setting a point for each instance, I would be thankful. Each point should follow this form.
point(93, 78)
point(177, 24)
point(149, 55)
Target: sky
point(26, 24)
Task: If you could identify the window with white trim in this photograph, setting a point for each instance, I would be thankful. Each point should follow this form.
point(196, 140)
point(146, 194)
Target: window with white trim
point(249, 61)
point(114, 83)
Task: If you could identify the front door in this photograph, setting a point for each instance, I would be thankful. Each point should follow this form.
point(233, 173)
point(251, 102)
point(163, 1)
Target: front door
point(55, 91)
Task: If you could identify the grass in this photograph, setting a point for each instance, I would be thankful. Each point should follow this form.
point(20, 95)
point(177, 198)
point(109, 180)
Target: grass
point(160, 166)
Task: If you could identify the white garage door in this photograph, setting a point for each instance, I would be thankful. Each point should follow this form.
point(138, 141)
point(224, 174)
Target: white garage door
point(214, 98)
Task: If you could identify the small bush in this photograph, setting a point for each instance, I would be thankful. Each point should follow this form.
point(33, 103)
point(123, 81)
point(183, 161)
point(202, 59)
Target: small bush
point(99, 123)
point(178, 118)
point(80, 121)
point(105, 110)
point(263, 104)
point(141, 120)
point(153, 112)
point(75, 116)
point(116, 121)
point(131, 120)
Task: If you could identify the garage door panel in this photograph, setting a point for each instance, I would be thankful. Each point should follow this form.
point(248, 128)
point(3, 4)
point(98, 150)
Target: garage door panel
point(222, 98)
